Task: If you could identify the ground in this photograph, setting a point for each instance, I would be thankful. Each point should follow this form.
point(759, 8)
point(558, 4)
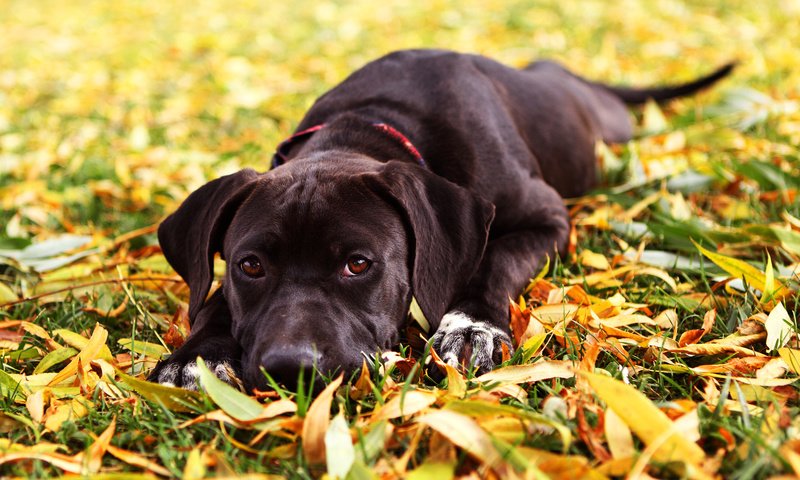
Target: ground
point(663, 345)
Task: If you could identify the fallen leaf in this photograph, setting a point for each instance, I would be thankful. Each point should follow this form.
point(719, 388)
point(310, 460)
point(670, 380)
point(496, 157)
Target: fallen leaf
point(405, 404)
point(618, 436)
point(530, 373)
point(233, 402)
point(465, 433)
point(316, 423)
point(780, 327)
point(657, 431)
point(172, 398)
point(339, 452)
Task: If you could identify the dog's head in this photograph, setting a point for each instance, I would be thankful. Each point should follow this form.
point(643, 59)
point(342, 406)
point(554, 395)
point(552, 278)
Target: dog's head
point(323, 256)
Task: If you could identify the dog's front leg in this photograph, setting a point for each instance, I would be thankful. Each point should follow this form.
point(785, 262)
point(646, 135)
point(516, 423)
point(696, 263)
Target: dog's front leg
point(209, 339)
point(477, 325)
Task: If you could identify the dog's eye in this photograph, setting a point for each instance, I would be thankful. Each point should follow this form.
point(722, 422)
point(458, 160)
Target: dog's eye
point(356, 265)
point(251, 266)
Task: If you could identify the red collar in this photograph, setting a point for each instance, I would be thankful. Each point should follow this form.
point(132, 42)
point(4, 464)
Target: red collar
point(279, 157)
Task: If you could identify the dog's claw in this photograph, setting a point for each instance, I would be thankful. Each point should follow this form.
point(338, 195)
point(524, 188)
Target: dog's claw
point(459, 333)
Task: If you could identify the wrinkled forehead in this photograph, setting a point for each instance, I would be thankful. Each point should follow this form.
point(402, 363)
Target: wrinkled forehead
point(317, 205)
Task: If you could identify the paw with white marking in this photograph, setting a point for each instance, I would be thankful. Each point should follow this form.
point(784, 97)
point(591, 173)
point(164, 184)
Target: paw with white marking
point(461, 339)
point(187, 375)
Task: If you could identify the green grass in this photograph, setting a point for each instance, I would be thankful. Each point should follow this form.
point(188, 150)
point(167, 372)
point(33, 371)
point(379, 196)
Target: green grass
point(111, 113)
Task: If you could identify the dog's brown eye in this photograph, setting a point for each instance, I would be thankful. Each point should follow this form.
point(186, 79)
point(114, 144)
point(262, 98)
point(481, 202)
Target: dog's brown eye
point(251, 266)
point(356, 265)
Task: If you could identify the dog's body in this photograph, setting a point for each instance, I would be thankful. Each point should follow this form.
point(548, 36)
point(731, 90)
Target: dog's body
point(325, 251)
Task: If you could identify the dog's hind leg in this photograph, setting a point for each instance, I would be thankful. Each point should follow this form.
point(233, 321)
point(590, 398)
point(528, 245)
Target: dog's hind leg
point(209, 339)
point(477, 323)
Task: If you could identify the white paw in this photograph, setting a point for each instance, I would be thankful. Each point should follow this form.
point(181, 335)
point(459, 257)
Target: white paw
point(460, 335)
point(188, 375)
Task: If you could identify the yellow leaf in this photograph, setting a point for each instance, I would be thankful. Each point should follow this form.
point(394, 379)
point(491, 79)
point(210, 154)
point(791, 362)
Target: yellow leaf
point(618, 436)
point(72, 410)
point(98, 449)
point(173, 398)
point(791, 357)
point(736, 268)
point(316, 424)
point(551, 314)
point(456, 385)
point(36, 404)
point(769, 281)
point(195, 467)
point(90, 351)
point(594, 260)
point(71, 338)
point(464, 432)
point(7, 295)
point(405, 404)
point(152, 350)
point(649, 423)
point(530, 373)
point(658, 273)
point(653, 120)
point(625, 319)
point(432, 471)
point(416, 313)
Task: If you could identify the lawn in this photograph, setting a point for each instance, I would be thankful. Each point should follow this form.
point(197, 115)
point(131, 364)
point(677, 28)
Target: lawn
point(664, 345)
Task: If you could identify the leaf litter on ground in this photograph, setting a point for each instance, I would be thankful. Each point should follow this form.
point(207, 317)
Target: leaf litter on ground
point(665, 344)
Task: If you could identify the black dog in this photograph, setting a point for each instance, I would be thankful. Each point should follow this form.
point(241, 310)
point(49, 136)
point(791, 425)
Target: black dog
point(426, 173)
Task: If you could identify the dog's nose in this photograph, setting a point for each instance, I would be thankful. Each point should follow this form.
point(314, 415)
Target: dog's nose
point(287, 366)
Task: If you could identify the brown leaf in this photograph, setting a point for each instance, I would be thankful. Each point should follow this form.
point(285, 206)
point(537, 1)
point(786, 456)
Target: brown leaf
point(715, 349)
point(709, 319)
point(98, 449)
point(316, 424)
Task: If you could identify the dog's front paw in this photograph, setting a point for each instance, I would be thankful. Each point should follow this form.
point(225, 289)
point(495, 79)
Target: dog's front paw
point(186, 374)
point(479, 344)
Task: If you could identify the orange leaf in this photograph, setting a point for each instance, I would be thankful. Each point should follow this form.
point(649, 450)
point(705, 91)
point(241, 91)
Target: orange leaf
point(316, 424)
point(519, 321)
point(98, 449)
point(690, 337)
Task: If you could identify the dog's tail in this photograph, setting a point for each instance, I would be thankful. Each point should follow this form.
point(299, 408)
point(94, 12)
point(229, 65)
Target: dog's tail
point(638, 96)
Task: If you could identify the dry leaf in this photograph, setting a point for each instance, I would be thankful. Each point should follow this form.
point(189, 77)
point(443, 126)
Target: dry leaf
point(316, 424)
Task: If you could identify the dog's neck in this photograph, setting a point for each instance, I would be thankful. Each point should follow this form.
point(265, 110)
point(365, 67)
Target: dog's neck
point(351, 133)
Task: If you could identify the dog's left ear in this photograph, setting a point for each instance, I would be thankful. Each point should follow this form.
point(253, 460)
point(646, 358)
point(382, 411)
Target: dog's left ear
point(449, 227)
point(191, 236)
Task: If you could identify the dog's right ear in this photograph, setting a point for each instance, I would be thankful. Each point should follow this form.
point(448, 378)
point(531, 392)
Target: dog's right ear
point(192, 235)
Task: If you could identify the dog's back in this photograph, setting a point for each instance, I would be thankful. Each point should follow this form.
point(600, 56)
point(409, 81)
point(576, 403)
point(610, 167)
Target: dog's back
point(481, 123)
